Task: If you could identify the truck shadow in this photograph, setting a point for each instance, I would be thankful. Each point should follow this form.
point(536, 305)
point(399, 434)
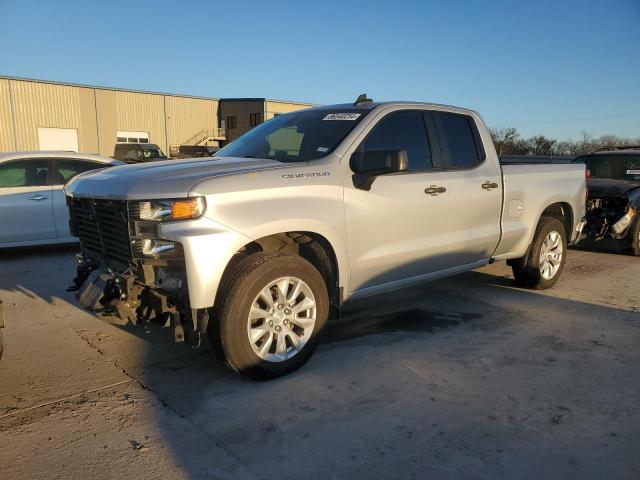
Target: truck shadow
point(381, 351)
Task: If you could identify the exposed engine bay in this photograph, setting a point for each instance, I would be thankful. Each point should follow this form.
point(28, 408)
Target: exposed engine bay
point(613, 205)
point(608, 217)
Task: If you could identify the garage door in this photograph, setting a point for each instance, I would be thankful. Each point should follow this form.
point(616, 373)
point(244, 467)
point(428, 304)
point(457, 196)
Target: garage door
point(58, 139)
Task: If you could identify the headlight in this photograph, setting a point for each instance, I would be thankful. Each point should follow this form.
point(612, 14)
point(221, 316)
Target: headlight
point(171, 210)
point(622, 224)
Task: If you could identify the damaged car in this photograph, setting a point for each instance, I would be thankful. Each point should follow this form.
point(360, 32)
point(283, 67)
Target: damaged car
point(613, 205)
point(257, 245)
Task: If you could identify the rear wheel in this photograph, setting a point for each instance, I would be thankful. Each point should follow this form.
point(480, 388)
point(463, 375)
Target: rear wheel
point(269, 315)
point(542, 266)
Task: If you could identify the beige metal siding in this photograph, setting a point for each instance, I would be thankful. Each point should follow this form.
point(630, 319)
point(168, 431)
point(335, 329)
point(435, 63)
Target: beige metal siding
point(49, 105)
point(273, 107)
point(242, 110)
point(7, 139)
point(189, 117)
point(129, 111)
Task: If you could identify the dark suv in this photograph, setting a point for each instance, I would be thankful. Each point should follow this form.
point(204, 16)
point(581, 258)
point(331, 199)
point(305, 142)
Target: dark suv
point(195, 151)
point(613, 208)
point(138, 152)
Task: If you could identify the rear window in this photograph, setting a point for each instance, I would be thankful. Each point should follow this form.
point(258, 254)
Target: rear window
point(458, 133)
point(67, 169)
point(615, 167)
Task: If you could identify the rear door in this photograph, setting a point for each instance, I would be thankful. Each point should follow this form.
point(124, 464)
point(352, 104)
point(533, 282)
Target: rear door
point(474, 183)
point(26, 212)
point(63, 170)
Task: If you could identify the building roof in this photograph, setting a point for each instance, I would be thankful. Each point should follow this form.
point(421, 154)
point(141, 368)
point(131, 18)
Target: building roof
point(117, 89)
point(263, 99)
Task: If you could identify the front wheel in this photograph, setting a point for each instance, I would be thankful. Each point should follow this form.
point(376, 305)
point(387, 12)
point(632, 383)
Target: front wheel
point(269, 315)
point(541, 267)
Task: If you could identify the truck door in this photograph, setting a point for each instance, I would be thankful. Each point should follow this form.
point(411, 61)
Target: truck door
point(399, 228)
point(475, 186)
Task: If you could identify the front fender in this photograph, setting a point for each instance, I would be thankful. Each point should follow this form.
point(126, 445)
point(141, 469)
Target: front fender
point(208, 246)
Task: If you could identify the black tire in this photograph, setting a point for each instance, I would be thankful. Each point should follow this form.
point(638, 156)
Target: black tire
point(228, 331)
point(634, 241)
point(526, 270)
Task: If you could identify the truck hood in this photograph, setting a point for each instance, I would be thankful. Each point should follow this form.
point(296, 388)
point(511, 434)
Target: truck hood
point(165, 179)
point(602, 187)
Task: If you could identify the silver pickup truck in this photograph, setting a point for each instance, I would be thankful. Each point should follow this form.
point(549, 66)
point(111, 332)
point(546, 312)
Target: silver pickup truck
point(258, 245)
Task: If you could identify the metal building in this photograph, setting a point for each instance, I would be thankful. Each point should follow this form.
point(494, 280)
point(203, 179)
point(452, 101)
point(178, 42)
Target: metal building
point(43, 115)
point(239, 115)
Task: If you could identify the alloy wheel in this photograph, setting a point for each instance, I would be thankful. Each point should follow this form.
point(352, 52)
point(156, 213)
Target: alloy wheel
point(281, 319)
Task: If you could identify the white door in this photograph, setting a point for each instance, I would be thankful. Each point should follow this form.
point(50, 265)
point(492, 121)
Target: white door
point(58, 139)
point(26, 204)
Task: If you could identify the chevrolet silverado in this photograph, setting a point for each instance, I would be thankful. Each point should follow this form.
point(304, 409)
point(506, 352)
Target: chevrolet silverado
point(258, 245)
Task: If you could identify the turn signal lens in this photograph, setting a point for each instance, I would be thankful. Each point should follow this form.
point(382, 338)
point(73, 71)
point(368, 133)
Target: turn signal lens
point(185, 209)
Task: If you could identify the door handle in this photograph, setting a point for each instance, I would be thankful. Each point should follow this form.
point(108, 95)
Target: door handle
point(489, 185)
point(38, 198)
point(434, 190)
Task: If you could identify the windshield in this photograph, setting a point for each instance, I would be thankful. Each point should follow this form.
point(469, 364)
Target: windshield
point(147, 153)
point(296, 137)
point(615, 167)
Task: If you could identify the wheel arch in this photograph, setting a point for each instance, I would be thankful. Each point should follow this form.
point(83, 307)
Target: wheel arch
point(563, 212)
point(312, 246)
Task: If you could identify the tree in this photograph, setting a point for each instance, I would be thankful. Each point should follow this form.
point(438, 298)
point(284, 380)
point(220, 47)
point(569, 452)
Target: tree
point(506, 141)
point(540, 145)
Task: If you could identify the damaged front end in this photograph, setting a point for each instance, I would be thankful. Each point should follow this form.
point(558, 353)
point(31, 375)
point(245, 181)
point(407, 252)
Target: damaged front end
point(609, 217)
point(125, 270)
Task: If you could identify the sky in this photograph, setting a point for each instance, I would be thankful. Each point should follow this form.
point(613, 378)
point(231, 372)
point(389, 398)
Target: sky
point(556, 68)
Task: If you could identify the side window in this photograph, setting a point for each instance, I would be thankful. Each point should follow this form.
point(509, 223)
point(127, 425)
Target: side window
point(24, 173)
point(67, 169)
point(403, 130)
point(458, 135)
point(231, 122)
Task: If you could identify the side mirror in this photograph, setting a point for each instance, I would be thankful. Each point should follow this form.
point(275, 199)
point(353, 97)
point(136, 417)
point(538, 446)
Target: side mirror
point(370, 164)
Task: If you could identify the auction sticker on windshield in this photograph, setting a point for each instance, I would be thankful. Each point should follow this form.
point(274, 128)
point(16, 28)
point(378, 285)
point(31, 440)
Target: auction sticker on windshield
point(342, 116)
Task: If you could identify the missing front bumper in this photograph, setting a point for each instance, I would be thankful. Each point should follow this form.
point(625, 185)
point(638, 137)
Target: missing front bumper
point(120, 295)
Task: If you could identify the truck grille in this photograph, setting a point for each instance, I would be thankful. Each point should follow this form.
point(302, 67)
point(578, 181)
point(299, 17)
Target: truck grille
point(103, 229)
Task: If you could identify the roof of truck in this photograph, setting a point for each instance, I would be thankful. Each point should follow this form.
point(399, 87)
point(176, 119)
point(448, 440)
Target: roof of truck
point(368, 106)
point(615, 151)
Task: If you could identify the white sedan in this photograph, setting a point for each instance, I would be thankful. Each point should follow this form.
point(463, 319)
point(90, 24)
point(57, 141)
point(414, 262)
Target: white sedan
point(32, 203)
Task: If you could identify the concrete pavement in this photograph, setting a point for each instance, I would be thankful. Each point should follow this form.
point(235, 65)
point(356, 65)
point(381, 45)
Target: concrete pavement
point(467, 377)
